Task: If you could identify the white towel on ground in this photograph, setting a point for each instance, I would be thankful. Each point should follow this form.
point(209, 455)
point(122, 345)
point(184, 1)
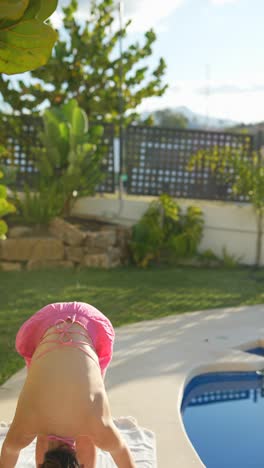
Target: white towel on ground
point(140, 441)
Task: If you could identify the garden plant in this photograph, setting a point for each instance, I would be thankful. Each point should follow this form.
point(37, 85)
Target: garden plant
point(165, 232)
point(245, 175)
point(69, 162)
point(5, 206)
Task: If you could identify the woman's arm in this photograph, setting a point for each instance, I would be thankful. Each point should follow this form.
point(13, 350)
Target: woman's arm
point(110, 440)
point(104, 433)
point(41, 448)
point(86, 452)
point(8, 457)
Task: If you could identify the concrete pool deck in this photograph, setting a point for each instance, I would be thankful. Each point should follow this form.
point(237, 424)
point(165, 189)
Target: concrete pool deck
point(154, 360)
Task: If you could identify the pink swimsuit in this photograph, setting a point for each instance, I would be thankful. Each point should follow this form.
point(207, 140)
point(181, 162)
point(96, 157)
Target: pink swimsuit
point(66, 440)
point(98, 327)
point(65, 333)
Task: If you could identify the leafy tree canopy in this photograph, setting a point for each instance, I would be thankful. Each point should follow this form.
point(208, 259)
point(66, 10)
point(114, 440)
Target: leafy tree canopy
point(86, 65)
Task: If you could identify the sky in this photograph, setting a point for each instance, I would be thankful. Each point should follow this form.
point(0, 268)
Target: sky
point(214, 50)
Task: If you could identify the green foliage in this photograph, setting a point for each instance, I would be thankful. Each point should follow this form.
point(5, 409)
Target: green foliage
point(25, 44)
point(230, 261)
point(68, 163)
point(5, 208)
point(165, 232)
point(245, 175)
point(208, 255)
point(84, 65)
point(8, 172)
point(25, 41)
point(38, 208)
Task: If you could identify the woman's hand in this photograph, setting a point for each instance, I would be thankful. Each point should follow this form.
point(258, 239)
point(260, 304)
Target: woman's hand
point(13, 443)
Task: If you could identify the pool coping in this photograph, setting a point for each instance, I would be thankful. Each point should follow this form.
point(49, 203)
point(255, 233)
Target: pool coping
point(239, 329)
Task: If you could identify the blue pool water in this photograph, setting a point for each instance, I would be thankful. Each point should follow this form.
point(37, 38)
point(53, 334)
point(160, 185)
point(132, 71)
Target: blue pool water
point(223, 414)
point(259, 351)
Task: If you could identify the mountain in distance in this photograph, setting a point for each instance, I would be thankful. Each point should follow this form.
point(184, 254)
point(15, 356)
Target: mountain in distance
point(198, 121)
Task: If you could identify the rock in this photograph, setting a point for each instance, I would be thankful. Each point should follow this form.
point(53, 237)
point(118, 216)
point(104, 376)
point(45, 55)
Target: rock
point(92, 250)
point(74, 254)
point(42, 263)
point(10, 266)
point(99, 261)
point(65, 244)
point(106, 238)
point(124, 234)
point(101, 239)
point(17, 249)
point(67, 232)
point(90, 237)
point(19, 231)
point(115, 254)
point(107, 260)
point(23, 249)
point(48, 249)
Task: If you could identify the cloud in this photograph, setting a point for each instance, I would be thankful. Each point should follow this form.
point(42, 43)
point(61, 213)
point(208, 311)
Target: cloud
point(149, 13)
point(145, 14)
point(222, 2)
point(235, 102)
point(227, 88)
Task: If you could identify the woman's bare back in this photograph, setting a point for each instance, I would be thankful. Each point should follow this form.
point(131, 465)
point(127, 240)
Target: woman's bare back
point(64, 391)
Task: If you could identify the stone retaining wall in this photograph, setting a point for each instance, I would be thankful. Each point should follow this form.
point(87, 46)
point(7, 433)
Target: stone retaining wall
point(64, 245)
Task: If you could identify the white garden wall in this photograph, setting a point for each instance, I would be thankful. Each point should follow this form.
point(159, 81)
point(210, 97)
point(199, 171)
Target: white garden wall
point(227, 225)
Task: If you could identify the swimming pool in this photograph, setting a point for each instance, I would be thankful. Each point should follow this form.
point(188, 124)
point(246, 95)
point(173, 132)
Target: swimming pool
point(223, 414)
point(259, 350)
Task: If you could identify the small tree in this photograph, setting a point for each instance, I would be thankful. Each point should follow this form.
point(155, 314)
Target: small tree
point(86, 66)
point(246, 176)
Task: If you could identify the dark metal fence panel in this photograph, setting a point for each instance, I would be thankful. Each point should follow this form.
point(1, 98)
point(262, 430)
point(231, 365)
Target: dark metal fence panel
point(21, 136)
point(108, 165)
point(157, 160)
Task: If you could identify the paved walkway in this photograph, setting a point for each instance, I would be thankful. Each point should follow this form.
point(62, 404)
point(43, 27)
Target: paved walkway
point(154, 360)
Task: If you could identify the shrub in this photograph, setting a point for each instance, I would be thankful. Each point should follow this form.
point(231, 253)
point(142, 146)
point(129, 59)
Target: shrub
point(229, 260)
point(5, 206)
point(39, 207)
point(165, 233)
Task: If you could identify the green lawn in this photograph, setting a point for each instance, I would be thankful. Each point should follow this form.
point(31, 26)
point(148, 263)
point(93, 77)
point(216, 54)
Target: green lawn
point(125, 295)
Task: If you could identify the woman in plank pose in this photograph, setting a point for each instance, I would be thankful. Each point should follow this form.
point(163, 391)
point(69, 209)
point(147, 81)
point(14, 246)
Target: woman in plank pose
point(67, 347)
